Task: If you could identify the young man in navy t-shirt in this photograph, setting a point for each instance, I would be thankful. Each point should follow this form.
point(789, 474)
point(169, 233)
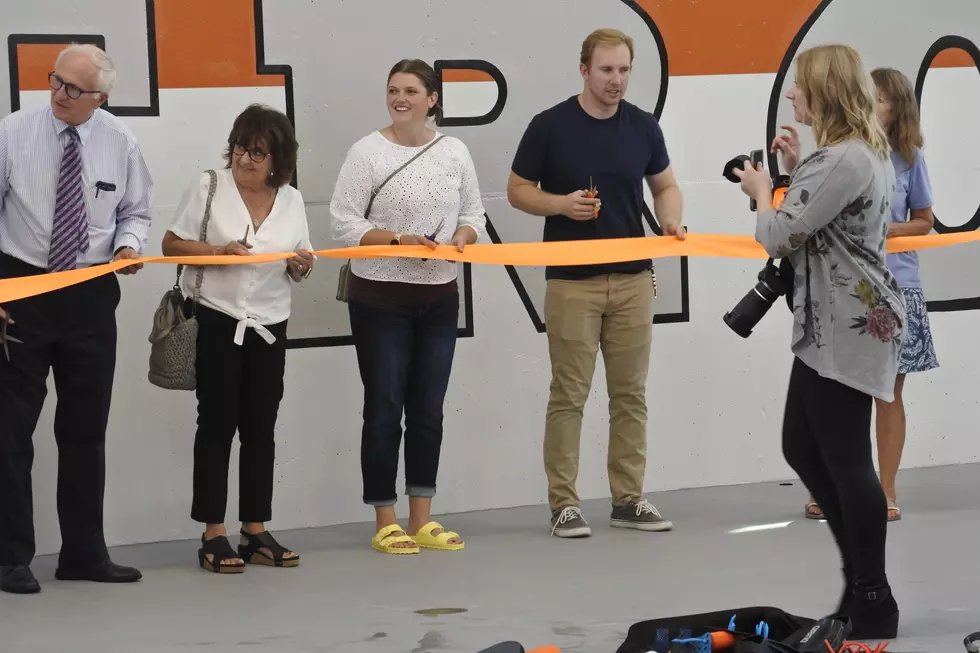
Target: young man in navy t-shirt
point(598, 138)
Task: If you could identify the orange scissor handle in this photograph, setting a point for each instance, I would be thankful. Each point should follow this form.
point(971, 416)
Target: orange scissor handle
point(592, 192)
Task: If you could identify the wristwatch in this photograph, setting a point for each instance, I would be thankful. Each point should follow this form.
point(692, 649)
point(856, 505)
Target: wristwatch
point(396, 239)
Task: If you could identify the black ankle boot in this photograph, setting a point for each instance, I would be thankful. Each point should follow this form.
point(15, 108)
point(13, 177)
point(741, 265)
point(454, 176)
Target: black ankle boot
point(873, 612)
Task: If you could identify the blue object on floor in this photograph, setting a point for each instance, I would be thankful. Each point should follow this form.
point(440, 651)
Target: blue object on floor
point(694, 644)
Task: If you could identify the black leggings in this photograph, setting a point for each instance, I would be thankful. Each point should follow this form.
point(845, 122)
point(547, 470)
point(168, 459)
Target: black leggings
point(827, 442)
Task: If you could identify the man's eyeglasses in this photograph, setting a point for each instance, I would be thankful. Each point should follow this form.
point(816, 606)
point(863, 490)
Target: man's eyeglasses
point(56, 84)
point(255, 154)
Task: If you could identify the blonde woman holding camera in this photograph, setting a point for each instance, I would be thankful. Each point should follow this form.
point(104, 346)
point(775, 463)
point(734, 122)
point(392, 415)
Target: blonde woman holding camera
point(849, 314)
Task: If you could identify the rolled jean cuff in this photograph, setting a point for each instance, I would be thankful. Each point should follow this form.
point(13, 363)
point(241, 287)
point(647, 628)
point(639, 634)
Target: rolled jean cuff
point(381, 503)
point(421, 492)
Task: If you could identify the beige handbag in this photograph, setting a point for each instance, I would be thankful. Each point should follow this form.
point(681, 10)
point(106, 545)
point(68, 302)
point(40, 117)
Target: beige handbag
point(343, 282)
point(173, 337)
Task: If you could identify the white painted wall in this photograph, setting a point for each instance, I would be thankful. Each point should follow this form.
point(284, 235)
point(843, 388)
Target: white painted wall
point(715, 400)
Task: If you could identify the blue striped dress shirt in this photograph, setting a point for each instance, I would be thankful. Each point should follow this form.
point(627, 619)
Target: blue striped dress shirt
point(115, 180)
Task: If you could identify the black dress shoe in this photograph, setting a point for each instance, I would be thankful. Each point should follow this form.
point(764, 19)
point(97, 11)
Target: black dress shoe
point(18, 579)
point(104, 572)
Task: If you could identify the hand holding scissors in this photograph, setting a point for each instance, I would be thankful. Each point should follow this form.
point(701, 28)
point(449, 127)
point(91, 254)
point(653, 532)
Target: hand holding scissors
point(238, 247)
point(4, 338)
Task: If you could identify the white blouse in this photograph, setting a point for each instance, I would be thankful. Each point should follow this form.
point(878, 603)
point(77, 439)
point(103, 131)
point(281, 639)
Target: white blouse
point(438, 192)
point(255, 295)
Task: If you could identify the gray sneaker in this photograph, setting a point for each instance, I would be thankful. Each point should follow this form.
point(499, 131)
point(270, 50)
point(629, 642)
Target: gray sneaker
point(641, 515)
point(569, 522)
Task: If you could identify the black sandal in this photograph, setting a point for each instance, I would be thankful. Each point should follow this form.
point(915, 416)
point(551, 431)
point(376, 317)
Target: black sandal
point(220, 550)
point(252, 552)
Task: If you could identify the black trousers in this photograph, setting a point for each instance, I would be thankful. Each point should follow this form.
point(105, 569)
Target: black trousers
point(239, 388)
point(71, 331)
point(405, 357)
point(827, 442)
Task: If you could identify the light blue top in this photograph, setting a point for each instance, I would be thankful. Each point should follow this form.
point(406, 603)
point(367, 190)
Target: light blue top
point(912, 191)
point(32, 142)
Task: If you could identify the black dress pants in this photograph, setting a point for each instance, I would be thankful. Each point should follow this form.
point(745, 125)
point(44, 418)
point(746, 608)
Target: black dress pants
point(71, 331)
point(239, 388)
point(827, 442)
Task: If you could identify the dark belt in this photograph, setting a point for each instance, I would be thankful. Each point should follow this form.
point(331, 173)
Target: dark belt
point(23, 268)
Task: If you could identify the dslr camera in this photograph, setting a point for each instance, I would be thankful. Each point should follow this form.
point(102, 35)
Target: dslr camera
point(774, 281)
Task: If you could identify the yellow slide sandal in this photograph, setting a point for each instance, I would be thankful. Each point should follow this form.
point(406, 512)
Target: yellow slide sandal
point(384, 540)
point(427, 540)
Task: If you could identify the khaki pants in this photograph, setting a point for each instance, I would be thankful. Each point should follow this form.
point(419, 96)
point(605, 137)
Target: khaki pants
point(614, 313)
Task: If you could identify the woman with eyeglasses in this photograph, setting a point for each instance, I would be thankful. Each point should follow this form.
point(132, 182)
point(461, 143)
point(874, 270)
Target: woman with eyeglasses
point(242, 311)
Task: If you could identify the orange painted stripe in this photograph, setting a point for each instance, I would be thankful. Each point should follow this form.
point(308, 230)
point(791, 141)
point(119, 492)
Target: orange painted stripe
point(721, 37)
point(199, 45)
point(211, 44)
point(34, 62)
point(465, 76)
point(208, 44)
point(953, 58)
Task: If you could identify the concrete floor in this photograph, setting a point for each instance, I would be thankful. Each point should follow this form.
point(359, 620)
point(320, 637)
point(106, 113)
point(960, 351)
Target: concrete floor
point(516, 582)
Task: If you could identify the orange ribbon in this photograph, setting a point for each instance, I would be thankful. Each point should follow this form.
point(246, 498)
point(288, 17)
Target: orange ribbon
point(577, 252)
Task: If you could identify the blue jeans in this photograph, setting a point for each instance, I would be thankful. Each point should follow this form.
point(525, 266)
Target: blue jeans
point(405, 356)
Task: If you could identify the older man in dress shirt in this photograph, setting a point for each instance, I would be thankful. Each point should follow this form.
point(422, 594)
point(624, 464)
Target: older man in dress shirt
point(74, 192)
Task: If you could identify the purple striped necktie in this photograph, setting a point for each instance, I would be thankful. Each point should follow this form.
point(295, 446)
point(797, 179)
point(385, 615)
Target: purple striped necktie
point(69, 235)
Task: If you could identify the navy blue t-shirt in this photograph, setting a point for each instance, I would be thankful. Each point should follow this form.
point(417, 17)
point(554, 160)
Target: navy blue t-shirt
point(564, 146)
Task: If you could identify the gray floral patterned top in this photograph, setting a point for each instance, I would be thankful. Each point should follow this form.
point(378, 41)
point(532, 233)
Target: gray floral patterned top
point(849, 313)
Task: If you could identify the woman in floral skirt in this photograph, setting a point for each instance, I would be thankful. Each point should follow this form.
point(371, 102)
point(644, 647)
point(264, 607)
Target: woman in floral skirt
point(911, 215)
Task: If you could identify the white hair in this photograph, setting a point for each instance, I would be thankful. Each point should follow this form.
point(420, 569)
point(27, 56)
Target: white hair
point(107, 70)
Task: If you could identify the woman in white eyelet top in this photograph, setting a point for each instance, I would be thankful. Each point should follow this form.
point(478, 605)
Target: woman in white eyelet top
point(436, 194)
point(404, 313)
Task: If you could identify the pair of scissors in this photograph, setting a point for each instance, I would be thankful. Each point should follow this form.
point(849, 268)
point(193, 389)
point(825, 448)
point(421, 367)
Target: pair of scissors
point(4, 338)
point(434, 233)
point(438, 229)
point(244, 239)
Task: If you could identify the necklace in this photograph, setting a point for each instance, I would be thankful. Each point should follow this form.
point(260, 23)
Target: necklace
point(265, 209)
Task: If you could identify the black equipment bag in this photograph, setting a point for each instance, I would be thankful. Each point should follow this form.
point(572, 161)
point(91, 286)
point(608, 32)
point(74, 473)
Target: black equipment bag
point(784, 633)
point(505, 647)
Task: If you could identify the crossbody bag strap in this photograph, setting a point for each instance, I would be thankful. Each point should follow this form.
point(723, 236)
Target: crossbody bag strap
point(375, 192)
point(204, 231)
point(203, 238)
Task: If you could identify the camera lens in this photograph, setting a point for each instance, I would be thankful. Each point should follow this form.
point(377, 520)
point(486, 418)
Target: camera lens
point(757, 302)
point(747, 313)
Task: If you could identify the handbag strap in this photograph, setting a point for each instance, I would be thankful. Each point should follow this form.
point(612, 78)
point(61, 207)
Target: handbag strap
point(375, 192)
point(203, 237)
